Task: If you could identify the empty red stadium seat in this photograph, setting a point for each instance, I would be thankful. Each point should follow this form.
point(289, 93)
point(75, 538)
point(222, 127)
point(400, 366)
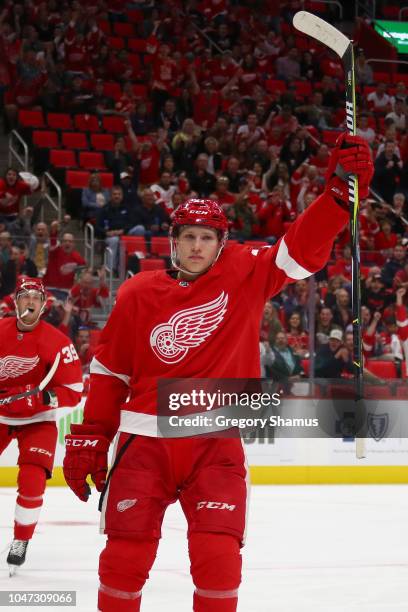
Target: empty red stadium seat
point(59, 121)
point(140, 90)
point(160, 245)
point(115, 125)
point(46, 139)
point(63, 159)
point(382, 368)
point(112, 90)
point(116, 42)
point(105, 26)
point(383, 77)
point(74, 140)
point(152, 264)
point(134, 16)
point(92, 160)
point(77, 179)
point(398, 77)
point(303, 88)
point(31, 118)
point(106, 179)
point(123, 29)
point(87, 123)
point(137, 45)
point(134, 61)
point(134, 244)
point(102, 142)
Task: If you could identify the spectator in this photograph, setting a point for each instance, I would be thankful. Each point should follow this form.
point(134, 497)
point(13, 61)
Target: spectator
point(150, 217)
point(100, 103)
point(85, 296)
point(164, 191)
point(169, 119)
point(298, 339)
point(374, 295)
point(267, 358)
point(6, 244)
point(82, 343)
point(332, 358)
point(342, 315)
point(401, 278)
point(324, 325)
point(18, 264)
point(399, 115)
point(224, 197)
point(270, 324)
point(364, 72)
point(128, 180)
point(273, 215)
point(39, 247)
point(201, 181)
point(115, 220)
point(12, 188)
point(286, 365)
point(395, 263)
point(385, 239)
point(63, 262)
point(186, 144)
point(388, 172)
point(214, 157)
point(288, 66)
point(93, 198)
point(379, 101)
point(364, 130)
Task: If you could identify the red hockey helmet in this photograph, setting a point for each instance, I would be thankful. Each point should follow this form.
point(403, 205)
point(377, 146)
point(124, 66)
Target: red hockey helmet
point(200, 212)
point(25, 283)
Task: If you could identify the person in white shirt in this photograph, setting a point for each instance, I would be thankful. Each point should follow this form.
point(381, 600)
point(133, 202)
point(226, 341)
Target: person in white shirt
point(379, 100)
point(399, 115)
point(365, 131)
point(164, 191)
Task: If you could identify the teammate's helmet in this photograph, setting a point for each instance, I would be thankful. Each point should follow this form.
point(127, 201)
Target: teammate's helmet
point(200, 212)
point(25, 283)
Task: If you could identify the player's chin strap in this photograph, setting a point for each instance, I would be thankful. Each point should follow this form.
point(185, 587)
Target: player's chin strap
point(174, 259)
point(20, 316)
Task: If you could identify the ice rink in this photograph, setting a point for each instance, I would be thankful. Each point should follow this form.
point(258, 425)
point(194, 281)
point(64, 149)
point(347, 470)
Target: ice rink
point(309, 548)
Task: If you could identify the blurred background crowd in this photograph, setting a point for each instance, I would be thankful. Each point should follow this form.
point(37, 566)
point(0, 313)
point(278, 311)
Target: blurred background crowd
point(134, 106)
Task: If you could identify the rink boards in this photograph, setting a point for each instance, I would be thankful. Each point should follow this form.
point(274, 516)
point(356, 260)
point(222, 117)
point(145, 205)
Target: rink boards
point(280, 461)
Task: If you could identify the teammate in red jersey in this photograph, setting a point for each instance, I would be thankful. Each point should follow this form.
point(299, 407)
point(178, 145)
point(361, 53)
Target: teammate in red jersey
point(28, 348)
point(179, 324)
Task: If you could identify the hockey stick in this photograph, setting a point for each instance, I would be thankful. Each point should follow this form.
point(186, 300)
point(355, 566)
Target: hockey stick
point(38, 389)
point(328, 35)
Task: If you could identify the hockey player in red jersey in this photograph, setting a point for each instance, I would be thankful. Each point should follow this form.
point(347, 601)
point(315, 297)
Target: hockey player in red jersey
point(200, 320)
point(28, 348)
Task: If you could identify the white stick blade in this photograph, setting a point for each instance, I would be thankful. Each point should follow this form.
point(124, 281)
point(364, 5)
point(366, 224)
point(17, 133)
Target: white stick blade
point(322, 31)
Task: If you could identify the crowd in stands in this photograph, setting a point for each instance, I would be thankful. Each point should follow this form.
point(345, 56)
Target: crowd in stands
point(219, 99)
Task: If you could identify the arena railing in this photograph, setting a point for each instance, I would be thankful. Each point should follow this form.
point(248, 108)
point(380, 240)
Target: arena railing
point(108, 265)
point(386, 61)
point(89, 244)
point(14, 153)
point(56, 200)
point(402, 10)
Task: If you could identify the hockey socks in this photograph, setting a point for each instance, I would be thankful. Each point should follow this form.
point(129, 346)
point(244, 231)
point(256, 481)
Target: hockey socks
point(216, 571)
point(31, 487)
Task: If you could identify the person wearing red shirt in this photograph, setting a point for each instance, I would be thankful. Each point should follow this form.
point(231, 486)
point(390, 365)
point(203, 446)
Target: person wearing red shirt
point(206, 102)
point(165, 77)
point(224, 197)
point(272, 216)
point(83, 347)
point(222, 70)
point(321, 159)
point(176, 324)
point(63, 261)
point(298, 339)
point(85, 296)
point(385, 240)
point(13, 186)
point(28, 350)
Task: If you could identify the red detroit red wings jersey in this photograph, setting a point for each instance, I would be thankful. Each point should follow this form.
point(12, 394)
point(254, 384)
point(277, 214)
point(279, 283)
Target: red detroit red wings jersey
point(209, 328)
point(25, 358)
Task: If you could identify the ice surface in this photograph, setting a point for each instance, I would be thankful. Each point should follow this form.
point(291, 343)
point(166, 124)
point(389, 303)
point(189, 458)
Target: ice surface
point(309, 548)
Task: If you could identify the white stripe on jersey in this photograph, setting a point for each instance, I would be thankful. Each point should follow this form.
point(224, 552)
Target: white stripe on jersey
point(289, 265)
point(97, 367)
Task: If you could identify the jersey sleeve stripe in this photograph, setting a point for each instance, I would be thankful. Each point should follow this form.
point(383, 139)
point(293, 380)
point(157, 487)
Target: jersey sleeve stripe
point(79, 387)
point(289, 265)
point(97, 367)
